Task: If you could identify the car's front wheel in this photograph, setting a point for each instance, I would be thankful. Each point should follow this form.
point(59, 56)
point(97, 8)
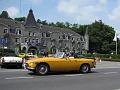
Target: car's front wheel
point(42, 69)
point(85, 68)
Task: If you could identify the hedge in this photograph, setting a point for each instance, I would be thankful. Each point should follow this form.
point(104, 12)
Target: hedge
point(105, 57)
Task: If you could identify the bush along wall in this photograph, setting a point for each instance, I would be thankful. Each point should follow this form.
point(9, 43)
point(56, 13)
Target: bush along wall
point(105, 57)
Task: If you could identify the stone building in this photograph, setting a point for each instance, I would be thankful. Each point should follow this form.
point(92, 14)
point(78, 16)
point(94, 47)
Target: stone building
point(32, 37)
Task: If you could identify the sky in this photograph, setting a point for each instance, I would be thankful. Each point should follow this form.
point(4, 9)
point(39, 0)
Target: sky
point(72, 11)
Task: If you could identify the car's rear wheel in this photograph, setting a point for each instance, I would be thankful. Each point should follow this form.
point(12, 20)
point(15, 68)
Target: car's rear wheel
point(85, 68)
point(42, 69)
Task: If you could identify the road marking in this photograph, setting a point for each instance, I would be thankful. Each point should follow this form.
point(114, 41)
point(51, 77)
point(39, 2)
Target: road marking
point(110, 72)
point(105, 67)
point(13, 70)
point(73, 75)
point(19, 78)
point(117, 89)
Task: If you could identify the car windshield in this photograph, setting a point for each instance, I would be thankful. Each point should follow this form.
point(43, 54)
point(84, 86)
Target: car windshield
point(59, 55)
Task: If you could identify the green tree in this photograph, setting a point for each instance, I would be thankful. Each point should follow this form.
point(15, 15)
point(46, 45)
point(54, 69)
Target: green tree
point(44, 22)
point(39, 21)
point(5, 15)
point(52, 24)
point(20, 19)
point(67, 24)
point(101, 36)
point(60, 24)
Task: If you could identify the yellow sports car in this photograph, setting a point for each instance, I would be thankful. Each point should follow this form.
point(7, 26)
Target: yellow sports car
point(60, 63)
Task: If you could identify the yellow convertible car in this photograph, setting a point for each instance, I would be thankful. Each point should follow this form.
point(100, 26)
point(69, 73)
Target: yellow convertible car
point(60, 63)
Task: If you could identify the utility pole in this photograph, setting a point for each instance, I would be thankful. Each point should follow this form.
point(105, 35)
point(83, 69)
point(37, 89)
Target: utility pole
point(20, 8)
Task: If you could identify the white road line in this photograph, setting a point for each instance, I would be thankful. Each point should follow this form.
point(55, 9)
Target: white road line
point(72, 75)
point(110, 72)
point(13, 70)
point(19, 77)
point(117, 89)
point(105, 67)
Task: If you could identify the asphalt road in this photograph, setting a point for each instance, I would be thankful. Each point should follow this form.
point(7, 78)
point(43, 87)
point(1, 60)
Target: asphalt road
point(105, 77)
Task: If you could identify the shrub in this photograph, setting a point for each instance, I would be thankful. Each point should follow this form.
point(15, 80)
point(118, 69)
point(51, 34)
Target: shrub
point(106, 57)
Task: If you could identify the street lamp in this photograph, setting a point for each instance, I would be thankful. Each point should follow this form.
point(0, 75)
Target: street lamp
point(115, 39)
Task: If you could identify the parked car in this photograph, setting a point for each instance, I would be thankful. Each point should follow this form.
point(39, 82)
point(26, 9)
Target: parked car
point(11, 61)
point(23, 55)
point(78, 55)
point(60, 63)
point(29, 55)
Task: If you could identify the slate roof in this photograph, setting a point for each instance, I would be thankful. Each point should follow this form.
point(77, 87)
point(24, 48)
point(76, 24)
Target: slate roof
point(46, 28)
point(10, 23)
point(31, 24)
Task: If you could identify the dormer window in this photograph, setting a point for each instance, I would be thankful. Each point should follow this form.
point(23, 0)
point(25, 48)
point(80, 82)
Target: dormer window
point(18, 32)
point(30, 33)
point(5, 30)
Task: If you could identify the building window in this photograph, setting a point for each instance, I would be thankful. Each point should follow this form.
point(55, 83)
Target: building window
point(12, 31)
point(81, 39)
point(59, 37)
point(5, 30)
point(72, 38)
point(43, 35)
point(64, 36)
point(65, 44)
point(29, 40)
point(17, 40)
point(37, 41)
point(34, 34)
point(69, 37)
point(25, 40)
point(33, 40)
point(18, 32)
point(30, 33)
point(47, 34)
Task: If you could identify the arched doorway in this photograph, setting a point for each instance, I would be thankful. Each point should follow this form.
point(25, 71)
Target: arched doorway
point(23, 50)
point(53, 49)
point(33, 50)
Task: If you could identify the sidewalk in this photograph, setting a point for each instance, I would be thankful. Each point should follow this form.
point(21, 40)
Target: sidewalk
point(107, 64)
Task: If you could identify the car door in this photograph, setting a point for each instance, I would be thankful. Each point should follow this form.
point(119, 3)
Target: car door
point(65, 64)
